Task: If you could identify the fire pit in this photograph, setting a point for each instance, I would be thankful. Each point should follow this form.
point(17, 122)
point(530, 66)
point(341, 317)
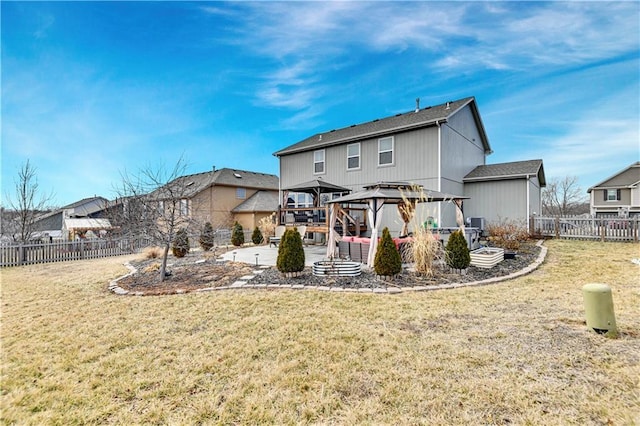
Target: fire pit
point(343, 268)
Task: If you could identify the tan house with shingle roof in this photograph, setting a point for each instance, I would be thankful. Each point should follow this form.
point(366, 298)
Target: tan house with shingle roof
point(226, 195)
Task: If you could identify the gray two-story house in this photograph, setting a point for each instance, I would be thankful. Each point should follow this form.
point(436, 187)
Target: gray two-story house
point(618, 195)
point(436, 147)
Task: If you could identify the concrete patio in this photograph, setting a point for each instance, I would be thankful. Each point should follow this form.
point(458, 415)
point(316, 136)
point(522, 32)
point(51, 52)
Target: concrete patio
point(267, 255)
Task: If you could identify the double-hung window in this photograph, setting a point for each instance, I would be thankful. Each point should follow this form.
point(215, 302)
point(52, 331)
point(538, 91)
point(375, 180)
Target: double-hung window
point(184, 207)
point(241, 193)
point(385, 151)
point(318, 162)
point(612, 195)
point(353, 156)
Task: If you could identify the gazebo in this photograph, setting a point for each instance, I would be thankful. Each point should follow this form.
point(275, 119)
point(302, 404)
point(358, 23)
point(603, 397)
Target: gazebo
point(403, 194)
point(314, 187)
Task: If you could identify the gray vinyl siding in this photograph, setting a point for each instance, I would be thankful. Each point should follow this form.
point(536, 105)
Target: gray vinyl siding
point(415, 160)
point(497, 200)
point(462, 149)
point(599, 202)
point(535, 196)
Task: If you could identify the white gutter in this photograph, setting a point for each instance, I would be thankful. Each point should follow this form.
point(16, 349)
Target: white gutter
point(528, 204)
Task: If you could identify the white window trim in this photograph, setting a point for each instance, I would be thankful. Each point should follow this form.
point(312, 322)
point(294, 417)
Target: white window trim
point(324, 162)
point(184, 207)
point(393, 152)
point(353, 156)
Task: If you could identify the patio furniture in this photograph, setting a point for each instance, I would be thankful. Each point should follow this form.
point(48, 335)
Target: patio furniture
point(275, 240)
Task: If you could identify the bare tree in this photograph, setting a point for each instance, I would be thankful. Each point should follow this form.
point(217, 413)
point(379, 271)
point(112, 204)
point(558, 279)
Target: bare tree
point(26, 206)
point(154, 203)
point(563, 197)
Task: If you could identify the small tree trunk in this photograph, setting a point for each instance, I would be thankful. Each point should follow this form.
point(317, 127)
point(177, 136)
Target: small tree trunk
point(163, 267)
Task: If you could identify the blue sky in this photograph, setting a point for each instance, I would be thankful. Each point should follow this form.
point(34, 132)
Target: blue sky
point(92, 89)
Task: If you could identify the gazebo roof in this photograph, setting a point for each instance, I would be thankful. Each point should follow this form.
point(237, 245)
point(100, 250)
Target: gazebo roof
point(396, 192)
point(317, 186)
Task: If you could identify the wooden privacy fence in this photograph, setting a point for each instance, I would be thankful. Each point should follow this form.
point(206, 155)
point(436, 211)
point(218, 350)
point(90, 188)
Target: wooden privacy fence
point(587, 228)
point(60, 251)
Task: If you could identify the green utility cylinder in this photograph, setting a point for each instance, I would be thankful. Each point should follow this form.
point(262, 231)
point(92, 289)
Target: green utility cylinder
point(598, 306)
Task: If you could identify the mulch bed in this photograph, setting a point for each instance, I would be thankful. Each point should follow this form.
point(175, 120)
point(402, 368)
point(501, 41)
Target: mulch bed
point(200, 270)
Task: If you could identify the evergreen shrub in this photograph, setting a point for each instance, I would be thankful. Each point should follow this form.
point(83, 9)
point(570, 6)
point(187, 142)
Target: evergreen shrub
point(256, 237)
point(387, 261)
point(180, 246)
point(457, 251)
point(290, 252)
point(237, 235)
point(206, 237)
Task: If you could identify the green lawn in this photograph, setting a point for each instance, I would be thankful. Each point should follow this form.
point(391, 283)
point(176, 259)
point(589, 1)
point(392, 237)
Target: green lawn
point(514, 352)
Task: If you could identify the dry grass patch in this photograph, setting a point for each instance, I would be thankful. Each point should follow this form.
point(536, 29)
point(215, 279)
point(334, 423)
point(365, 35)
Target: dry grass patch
point(516, 352)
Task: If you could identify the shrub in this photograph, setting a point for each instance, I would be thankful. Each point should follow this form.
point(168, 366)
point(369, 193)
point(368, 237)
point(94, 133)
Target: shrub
point(507, 234)
point(237, 235)
point(290, 252)
point(387, 260)
point(206, 237)
point(457, 251)
point(256, 237)
point(180, 246)
point(152, 252)
point(267, 225)
point(426, 250)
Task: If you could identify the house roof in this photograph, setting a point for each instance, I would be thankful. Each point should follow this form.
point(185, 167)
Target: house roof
point(80, 207)
point(513, 170)
point(626, 178)
point(261, 201)
point(87, 223)
point(416, 119)
point(195, 183)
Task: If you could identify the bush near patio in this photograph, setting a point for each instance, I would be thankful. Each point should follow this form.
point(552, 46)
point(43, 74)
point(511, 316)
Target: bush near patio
point(290, 252)
point(180, 246)
point(256, 237)
point(457, 251)
point(507, 234)
point(207, 237)
point(387, 261)
point(237, 235)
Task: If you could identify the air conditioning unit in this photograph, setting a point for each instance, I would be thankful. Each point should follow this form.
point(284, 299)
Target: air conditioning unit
point(477, 222)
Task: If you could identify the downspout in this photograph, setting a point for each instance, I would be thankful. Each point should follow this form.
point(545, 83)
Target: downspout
point(439, 189)
point(528, 203)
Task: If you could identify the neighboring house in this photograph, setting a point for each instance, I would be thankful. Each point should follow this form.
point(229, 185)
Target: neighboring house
point(64, 223)
point(504, 191)
point(227, 195)
point(436, 147)
point(619, 195)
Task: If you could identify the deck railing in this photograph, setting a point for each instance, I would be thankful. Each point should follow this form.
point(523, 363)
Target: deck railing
point(316, 219)
point(587, 228)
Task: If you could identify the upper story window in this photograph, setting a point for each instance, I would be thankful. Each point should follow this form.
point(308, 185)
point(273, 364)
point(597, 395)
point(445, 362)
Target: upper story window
point(353, 156)
point(385, 151)
point(184, 207)
point(612, 195)
point(318, 161)
point(241, 193)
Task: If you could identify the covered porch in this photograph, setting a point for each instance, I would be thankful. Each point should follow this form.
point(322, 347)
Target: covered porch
point(349, 221)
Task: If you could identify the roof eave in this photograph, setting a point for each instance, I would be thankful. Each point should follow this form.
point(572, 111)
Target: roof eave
point(430, 123)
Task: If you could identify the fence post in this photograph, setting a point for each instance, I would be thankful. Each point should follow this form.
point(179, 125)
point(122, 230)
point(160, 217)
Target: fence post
point(21, 254)
point(557, 226)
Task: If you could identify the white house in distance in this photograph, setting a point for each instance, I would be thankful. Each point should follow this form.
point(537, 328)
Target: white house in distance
point(443, 148)
point(618, 195)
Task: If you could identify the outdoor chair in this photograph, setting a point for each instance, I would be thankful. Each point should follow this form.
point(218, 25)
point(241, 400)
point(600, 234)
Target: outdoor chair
point(302, 230)
point(279, 231)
